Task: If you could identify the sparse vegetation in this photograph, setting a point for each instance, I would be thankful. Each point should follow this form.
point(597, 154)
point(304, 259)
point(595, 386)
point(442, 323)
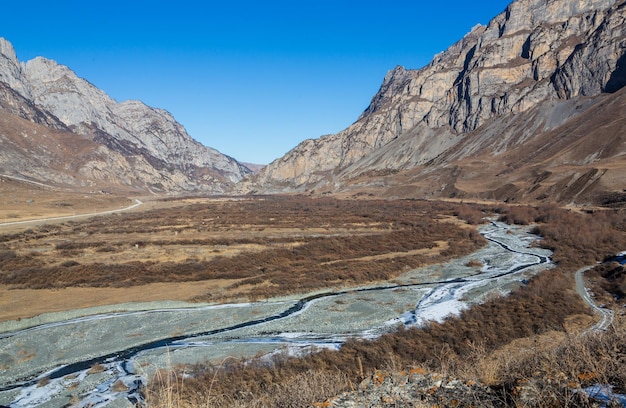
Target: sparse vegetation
point(477, 345)
point(474, 263)
point(270, 245)
point(96, 368)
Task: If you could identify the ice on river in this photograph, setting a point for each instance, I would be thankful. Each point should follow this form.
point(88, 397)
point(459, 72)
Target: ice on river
point(161, 338)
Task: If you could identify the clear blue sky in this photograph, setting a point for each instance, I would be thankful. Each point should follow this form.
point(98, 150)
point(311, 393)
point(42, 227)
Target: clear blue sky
point(249, 78)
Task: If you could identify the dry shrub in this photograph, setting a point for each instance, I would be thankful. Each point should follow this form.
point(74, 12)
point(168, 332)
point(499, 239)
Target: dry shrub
point(556, 375)
point(582, 239)
point(577, 239)
point(6, 256)
point(611, 278)
point(520, 215)
point(474, 263)
point(451, 346)
point(471, 213)
point(357, 230)
point(171, 389)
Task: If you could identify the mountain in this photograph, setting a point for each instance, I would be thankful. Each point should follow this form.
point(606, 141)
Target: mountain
point(529, 107)
point(254, 168)
point(126, 145)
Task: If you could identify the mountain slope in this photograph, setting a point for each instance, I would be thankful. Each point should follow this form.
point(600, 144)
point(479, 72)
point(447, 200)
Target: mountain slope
point(542, 61)
point(159, 152)
point(66, 160)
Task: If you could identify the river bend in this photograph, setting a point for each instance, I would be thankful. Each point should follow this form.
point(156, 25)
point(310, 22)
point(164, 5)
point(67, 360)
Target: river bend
point(52, 363)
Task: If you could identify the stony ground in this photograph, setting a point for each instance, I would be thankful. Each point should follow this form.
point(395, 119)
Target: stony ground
point(419, 388)
point(416, 388)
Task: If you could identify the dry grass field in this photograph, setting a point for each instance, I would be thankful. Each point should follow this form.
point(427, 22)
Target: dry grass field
point(21, 201)
point(214, 249)
point(234, 249)
point(526, 347)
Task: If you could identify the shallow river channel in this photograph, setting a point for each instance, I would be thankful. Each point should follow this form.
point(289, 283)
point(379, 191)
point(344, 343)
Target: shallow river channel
point(103, 356)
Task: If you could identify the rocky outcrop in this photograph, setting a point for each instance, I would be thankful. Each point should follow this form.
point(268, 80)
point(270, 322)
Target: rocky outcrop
point(420, 388)
point(532, 53)
point(417, 388)
point(13, 102)
point(51, 94)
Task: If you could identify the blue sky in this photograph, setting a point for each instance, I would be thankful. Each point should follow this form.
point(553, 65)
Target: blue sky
point(249, 78)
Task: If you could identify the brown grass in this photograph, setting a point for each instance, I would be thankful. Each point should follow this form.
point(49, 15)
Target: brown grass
point(23, 303)
point(95, 369)
point(482, 343)
point(22, 201)
point(265, 246)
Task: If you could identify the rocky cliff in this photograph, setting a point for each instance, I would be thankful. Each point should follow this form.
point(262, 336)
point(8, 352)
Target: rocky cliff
point(530, 61)
point(158, 151)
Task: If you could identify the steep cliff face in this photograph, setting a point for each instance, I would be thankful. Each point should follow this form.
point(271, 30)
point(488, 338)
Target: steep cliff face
point(534, 52)
point(165, 157)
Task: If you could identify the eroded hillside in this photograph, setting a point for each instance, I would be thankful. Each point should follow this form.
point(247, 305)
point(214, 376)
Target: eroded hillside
point(463, 125)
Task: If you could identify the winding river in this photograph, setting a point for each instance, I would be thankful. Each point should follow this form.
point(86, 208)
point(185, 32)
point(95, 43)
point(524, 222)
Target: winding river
point(104, 359)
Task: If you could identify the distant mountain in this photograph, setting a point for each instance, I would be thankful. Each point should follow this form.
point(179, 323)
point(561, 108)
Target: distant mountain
point(529, 107)
point(255, 168)
point(127, 145)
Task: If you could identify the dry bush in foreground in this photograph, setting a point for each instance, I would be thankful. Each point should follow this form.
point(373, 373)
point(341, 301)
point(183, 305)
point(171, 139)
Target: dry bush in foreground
point(541, 306)
point(299, 390)
point(556, 376)
point(464, 346)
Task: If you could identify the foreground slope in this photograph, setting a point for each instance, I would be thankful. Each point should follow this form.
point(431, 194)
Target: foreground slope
point(139, 147)
point(534, 68)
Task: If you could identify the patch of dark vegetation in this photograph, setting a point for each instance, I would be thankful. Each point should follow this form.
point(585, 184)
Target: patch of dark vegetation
point(577, 239)
point(610, 277)
point(612, 200)
point(466, 346)
point(471, 213)
point(299, 244)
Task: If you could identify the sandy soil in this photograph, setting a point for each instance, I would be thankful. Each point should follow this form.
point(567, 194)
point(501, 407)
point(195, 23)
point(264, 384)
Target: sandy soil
point(22, 303)
point(441, 246)
point(21, 202)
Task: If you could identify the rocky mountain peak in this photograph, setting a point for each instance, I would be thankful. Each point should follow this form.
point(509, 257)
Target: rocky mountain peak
point(166, 158)
point(46, 70)
point(535, 52)
point(7, 50)
point(11, 69)
point(524, 15)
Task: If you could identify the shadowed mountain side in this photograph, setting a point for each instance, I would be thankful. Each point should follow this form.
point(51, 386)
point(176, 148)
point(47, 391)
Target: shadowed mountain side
point(67, 160)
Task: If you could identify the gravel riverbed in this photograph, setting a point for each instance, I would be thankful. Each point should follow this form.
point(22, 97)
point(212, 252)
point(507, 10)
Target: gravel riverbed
point(129, 342)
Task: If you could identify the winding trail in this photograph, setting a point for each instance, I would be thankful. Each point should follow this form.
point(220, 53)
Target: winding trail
point(69, 217)
point(606, 315)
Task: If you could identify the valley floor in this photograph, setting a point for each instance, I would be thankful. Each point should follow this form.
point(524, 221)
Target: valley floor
point(241, 250)
point(221, 331)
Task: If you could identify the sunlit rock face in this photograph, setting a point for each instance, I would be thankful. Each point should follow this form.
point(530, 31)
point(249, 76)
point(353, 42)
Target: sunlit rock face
point(156, 150)
point(534, 51)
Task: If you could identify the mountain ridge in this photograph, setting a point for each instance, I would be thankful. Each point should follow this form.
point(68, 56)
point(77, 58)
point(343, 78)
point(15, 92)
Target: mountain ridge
point(532, 54)
point(149, 148)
